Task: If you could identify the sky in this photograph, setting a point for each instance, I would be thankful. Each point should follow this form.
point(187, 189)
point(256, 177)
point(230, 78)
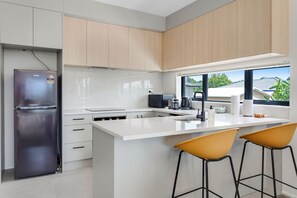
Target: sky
point(280, 72)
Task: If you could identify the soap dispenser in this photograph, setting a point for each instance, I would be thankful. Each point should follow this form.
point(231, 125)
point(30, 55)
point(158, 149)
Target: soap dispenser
point(211, 113)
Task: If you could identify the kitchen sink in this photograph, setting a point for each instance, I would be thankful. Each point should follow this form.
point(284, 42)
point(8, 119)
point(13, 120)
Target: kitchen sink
point(186, 119)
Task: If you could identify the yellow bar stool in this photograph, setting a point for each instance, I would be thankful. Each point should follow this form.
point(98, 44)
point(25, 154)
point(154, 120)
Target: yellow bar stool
point(274, 138)
point(210, 148)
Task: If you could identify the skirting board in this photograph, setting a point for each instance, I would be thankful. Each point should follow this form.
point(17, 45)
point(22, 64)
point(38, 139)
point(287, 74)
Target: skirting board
point(77, 164)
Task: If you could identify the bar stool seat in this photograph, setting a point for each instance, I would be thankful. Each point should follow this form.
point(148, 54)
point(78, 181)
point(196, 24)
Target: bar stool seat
point(210, 148)
point(274, 138)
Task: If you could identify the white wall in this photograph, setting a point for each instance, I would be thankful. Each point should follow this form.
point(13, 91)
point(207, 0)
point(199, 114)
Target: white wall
point(18, 59)
point(115, 15)
point(194, 10)
point(95, 87)
point(288, 171)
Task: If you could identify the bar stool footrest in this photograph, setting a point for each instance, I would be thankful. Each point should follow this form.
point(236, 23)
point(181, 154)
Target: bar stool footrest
point(250, 177)
point(200, 188)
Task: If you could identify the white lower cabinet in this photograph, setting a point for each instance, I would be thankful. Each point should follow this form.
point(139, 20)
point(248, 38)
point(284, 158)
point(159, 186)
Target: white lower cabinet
point(77, 151)
point(141, 114)
point(77, 138)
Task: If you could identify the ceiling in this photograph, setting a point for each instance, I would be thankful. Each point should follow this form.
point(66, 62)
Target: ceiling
point(156, 7)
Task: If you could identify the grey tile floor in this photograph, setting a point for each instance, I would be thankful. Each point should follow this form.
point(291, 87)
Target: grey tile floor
point(72, 184)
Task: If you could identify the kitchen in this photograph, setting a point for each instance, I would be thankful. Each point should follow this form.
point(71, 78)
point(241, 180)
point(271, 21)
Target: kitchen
point(127, 65)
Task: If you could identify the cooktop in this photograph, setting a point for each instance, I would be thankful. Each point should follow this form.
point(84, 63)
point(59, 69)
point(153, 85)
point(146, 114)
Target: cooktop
point(104, 109)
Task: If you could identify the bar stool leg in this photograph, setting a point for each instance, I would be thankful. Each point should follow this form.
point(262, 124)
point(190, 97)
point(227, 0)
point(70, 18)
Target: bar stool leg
point(241, 164)
point(262, 176)
point(294, 161)
point(234, 177)
point(176, 174)
point(203, 162)
point(273, 173)
point(206, 174)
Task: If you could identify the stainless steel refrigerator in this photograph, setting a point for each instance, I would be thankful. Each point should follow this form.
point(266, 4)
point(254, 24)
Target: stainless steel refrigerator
point(35, 123)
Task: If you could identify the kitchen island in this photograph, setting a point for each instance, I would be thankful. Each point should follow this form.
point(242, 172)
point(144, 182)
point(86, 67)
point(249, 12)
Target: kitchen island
point(136, 157)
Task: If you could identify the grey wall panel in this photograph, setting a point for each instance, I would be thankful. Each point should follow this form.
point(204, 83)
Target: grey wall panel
point(192, 11)
point(55, 5)
point(1, 115)
point(113, 14)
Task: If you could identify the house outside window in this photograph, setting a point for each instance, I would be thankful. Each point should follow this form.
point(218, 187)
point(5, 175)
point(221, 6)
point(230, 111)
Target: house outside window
point(270, 85)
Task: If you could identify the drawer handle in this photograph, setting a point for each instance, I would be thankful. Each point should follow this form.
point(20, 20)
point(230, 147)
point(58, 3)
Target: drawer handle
point(77, 119)
point(78, 147)
point(78, 129)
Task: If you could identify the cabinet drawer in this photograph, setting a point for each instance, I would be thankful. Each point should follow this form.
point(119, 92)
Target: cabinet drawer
point(77, 119)
point(77, 151)
point(77, 133)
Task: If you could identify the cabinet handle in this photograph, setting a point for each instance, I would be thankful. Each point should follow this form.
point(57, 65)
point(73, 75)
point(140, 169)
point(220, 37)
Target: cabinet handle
point(77, 119)
point(78, 129)
point(78, 147)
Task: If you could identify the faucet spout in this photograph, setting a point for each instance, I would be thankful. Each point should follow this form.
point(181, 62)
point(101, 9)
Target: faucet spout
point(201, 115)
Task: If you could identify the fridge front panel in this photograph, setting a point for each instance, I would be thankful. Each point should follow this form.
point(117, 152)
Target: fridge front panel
point(35, 142)
point(35, 88)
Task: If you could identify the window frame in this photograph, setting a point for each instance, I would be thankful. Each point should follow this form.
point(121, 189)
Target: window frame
point(248, 87)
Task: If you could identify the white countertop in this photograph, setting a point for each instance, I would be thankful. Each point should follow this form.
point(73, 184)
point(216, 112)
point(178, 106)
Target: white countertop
point(132, 129)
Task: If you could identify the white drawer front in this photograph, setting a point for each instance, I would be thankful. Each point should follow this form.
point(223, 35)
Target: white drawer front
point(77, 151)
point(77, 119)
point(77, 133)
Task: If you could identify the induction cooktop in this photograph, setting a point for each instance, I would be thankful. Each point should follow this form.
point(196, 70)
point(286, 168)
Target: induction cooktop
point(104, 109)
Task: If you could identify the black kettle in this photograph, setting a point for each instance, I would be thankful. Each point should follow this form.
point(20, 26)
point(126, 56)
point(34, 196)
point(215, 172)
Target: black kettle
point(186, 103)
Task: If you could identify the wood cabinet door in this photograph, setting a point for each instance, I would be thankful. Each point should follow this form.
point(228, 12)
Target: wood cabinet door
point(136, 49)
point(118, 41)
point(170, 49)
point(75, 41)
point(225, 32)
point(153, 51)
point(254, 27)
point(97, 44)
point(184, 43)
point(202, 39)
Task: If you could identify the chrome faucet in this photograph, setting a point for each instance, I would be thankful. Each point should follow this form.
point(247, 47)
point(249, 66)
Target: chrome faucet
point(201, 115)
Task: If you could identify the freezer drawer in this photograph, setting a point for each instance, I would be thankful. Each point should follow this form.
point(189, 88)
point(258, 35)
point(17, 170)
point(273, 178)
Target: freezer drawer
point(35, 142)
point(77, 151)
point(77, 133)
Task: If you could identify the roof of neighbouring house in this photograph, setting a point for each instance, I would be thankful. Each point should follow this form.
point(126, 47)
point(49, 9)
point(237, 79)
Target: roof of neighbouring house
point(227, 92)
point(261, 84)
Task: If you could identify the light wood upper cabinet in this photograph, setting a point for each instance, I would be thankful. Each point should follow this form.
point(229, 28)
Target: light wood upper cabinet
point(202, 39)
point(280, 26)
point(225, 32)
point(97, 44)
point(153, 51)
point(136, 48)
point(170, 49)
point(118, 46)
point(75, 41)
point(254, 27)
point(184, 43)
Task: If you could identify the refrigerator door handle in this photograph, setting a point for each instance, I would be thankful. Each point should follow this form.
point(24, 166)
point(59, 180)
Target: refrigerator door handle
point(35, 108)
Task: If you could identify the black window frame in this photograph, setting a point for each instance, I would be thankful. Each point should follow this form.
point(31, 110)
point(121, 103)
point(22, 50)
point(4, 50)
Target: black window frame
point(248, 88)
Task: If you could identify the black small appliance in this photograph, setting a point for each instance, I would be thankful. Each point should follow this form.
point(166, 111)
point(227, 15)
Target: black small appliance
point(159, 100)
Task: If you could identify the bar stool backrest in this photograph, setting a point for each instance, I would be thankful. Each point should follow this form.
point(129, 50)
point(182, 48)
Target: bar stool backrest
point(211, 146)
point(274, 137)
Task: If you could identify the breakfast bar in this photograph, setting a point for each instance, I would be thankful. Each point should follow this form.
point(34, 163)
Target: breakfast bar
point(136, 157)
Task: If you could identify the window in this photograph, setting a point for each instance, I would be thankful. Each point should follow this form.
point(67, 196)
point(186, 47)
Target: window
point(265, 86)
point(222, 85)
point(191, 84)
point(272, 85)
